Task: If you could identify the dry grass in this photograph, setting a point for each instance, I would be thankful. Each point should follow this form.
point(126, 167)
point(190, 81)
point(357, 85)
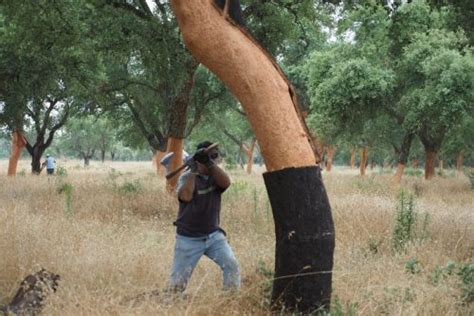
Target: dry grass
point(117, 241)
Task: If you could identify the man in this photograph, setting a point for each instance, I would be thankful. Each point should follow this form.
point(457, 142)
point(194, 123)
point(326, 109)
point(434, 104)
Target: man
point(49, 163)
point(198, 232)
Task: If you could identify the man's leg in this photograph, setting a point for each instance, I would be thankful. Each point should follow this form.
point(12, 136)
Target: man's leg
point(186, 255)
point(221, 253)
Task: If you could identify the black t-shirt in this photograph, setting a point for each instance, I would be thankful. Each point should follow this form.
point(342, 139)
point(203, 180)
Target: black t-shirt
point(200, 216)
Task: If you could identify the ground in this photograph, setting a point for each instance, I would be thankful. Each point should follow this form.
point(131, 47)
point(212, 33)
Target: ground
point(107, 231)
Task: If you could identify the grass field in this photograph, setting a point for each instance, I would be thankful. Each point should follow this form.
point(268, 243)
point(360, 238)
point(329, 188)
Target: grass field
point(107, 231)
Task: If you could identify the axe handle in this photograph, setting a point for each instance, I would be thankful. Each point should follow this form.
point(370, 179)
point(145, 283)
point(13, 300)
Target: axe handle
point(175, 172)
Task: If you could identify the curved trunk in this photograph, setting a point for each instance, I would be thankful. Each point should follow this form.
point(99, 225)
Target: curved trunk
point(460, 161)
point(363, 160)
point(331, 152)
point(304, 250)
point(160, 170)
point(353, 158)
point(430, 164)
point(250, 152)
point(398, 175)
point(174, 145)
point(18, 143)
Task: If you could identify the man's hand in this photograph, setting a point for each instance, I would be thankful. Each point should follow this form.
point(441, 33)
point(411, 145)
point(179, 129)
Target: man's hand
point(191, 163)
point(202, 156)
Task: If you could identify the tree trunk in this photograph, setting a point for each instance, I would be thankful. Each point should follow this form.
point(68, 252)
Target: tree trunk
point(441, 166)
point(18, 143)
point(372, 164)
point(403, 154)
point(102, 155)
point(460, 161)
point(430, 164)
point(174, 145)
point(353, 158)
point(363, 160)
point(86, 161)
point(160, 169)
point(249, 153)
point(112, 156)
point(331, 151)
point(36, 167)
point(398, 175)
point(303, 222)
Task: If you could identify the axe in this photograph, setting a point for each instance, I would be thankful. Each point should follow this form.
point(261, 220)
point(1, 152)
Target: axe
point(178, 170)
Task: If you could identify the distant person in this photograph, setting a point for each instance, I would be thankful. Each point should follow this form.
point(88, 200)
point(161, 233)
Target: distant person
point(165, 161)
point(198, 232)
point(50, 164)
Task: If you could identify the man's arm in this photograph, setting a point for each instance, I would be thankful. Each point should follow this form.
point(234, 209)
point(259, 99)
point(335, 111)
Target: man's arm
point(220, 176)
point(186, 186)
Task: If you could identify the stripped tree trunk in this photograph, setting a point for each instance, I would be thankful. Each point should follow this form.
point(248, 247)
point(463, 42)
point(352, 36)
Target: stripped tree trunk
point(353, 158)
point(430, 164)
point(403, 156)
point(249, 152)
point(160, 170)
point(18, 143)
point(363, 160)
point(303, 222)
point(460, 161)
point(331, 152)
point(174, 145)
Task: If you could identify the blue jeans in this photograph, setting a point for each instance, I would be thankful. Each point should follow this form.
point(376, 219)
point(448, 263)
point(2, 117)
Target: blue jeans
point(188, 251)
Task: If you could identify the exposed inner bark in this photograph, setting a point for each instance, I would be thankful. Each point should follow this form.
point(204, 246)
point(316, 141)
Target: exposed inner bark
point(18, 143)
point(304, 240)
point(160, 170)
point(363, 160)
point(353, 158)
point(398, 175)
point(331, 150)
point(430, 164)
point(174, 145)
point(250, 152)
point(253, 78)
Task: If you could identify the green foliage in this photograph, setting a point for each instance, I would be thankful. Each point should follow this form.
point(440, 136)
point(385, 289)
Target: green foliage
point(465, 274)
point(413, 172)
point(66, 189)
point(405, 220)
point(61, 172)
point(130, 187)
point(412, 266)
point(469, 172)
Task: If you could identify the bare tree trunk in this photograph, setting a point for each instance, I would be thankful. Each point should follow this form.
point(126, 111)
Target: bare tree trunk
point(303, 222)
point(102, 155)
point(441, 166)
point(353, 158)
point(174, 145)
point(331, 152)
point(18, 143)
point(430, 164)
point(160, 170)
point(363, 160)
point(86, 161)
point(250, 152)
point(398, 175)
point(460, 161)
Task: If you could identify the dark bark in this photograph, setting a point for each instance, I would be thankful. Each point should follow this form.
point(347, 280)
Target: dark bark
point(305, 239)
point(404, 150)
point(86, 161)
point(102, 155)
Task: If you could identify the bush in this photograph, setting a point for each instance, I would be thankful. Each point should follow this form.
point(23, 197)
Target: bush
point(131, 187)
point(469, 172)
point(405, 220)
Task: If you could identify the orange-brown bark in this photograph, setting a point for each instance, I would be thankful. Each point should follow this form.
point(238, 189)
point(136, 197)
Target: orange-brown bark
point(249, 152)
point(430, 164)
point(253, 77)
point(460, 160)
point(160, 170)
point(353, 158)
point(331, 150)
point(18, 143)
point(174, 145)
point(363, 160)
point(398, 175)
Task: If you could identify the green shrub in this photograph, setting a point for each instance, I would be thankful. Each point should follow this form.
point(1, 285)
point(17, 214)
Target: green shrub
point(131, 187)
point(405, 220)
point(413, 172)
point(66, 189)
point(62, 172)
point(469, 172)
point(466, 276)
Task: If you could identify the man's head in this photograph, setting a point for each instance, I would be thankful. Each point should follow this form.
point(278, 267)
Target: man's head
point(213, 154)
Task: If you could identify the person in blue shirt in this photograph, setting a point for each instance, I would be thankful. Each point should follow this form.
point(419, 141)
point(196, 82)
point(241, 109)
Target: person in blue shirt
point(49, 163)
